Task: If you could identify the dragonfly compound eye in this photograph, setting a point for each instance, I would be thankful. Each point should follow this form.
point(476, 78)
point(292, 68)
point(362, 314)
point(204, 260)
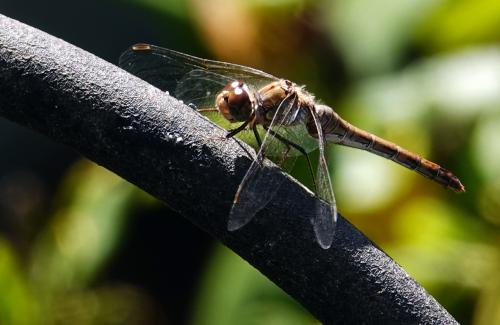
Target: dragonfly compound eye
point(234, 102)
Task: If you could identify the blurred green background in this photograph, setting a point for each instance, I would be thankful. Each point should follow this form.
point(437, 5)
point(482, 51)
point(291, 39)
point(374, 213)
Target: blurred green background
point(78, 245)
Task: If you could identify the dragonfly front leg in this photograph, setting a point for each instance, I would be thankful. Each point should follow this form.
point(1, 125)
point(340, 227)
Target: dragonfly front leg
point(260, 153)
point(232, 132)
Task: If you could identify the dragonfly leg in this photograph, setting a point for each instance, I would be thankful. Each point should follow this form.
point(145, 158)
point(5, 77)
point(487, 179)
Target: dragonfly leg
point(233, 132)
point(291, 144)
point(260, 153)
point(256, 134)
point(202, 110)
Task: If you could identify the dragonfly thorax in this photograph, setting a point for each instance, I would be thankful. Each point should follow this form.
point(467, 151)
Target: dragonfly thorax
point(283, 96)
point(235, 102)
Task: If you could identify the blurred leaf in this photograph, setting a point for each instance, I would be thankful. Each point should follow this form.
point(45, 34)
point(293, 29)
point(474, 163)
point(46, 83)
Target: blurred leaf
point(440, 245)
point(373, 35)
point(359, 177)
point(460, 85)
point(117, 304)
point(88, 224)
point(17, 305)
point(486, 146)
point(244, 295)
point(489, 201)
point(461, 23)
point(277, 4)
point(488, 305)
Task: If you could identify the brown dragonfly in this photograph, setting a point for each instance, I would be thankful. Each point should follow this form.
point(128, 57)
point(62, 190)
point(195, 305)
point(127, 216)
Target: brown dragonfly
point(284, 119)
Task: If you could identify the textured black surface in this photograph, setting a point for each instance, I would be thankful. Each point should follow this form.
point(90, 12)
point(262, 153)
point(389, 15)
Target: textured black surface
point(167, 149)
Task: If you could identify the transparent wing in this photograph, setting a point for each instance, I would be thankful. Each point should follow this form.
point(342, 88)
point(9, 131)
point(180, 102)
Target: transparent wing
point(194, 80)
point(259, 186)
point(325, 217)
point(296, 133)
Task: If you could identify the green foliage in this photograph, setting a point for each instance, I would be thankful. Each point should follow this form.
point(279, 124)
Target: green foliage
point(83, 231)
point(234, 292)
point(423, 74)
point(17, 305)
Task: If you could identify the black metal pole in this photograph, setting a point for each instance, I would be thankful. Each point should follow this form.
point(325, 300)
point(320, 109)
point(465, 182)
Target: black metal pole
point(167, 149)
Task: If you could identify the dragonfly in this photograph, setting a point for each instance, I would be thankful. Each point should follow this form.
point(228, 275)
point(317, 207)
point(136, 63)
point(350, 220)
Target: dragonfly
point(284, 121)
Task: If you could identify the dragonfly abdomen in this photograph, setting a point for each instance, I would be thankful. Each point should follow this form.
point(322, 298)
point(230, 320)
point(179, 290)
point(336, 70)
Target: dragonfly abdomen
point(339, 131)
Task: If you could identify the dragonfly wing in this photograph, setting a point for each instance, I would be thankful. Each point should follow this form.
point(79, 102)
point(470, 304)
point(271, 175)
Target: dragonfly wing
point(259, 186)
point(188, 78)
point(255, 191)
point(325, 218)
point(199, 88)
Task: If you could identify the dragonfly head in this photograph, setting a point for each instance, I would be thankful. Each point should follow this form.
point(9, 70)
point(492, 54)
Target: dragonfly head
point(235, 102)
